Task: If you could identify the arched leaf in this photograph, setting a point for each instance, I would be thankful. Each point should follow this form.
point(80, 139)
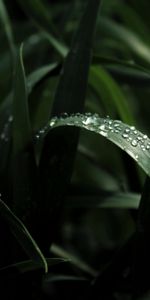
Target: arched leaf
point(128, 138)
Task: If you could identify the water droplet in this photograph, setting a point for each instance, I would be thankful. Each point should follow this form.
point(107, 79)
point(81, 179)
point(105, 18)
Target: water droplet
point(116, 124)
point(143, 147)
point(125, 135)
point(145, 136)
point(132, 128)
point(104, 133)
point(139, 137)
point(88, 121)
point(127, 130)
point(134, 143)
point(148, 147)
point(64, 115)
point(136, 157)
point(88, 114)
point(53, 122)
point(102, 127)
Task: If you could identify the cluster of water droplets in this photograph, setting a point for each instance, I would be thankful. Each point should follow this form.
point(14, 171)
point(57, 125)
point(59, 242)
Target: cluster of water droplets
point(106, 127)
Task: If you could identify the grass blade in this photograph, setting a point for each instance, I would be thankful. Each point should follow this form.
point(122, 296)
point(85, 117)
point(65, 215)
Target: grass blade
point(105, 200)
point(110, 92)
point(70, 97)
point(30, 265)
point(58, 250)
point(23, 236)
point(130, 39)
point(124, 71)
point(71, 90)
point(22, 136)
point(32, 80)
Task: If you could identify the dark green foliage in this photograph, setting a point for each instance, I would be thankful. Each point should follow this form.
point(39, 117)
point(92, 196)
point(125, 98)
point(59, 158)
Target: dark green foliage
point(68, 195)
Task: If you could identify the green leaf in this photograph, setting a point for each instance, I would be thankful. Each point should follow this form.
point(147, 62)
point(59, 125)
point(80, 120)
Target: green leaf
point(22, 136)
point(23, 236)
point(70, 96)
point(71, 91)
point(105, 200)
point(128, 138)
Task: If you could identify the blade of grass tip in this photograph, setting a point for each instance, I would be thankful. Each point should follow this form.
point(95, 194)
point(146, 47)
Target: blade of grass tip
point(58, 153)
point(71, 89)
point(141, 263)
point(8, 29)
point(23, 161)
point(21, 125)
point(23, 236)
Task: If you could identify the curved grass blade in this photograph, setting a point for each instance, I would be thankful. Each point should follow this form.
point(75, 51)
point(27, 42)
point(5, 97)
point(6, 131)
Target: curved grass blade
point(128, 138)
point(105, 200)
point(82, 265)
point(23, 236)
point(39, 74)
point(40, 15)
point(133, 20)
point(30, 265)
point(136, 45)
point(124, 71)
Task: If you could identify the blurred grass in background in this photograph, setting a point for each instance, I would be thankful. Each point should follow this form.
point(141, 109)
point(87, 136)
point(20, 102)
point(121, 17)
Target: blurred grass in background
point(41, 181)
